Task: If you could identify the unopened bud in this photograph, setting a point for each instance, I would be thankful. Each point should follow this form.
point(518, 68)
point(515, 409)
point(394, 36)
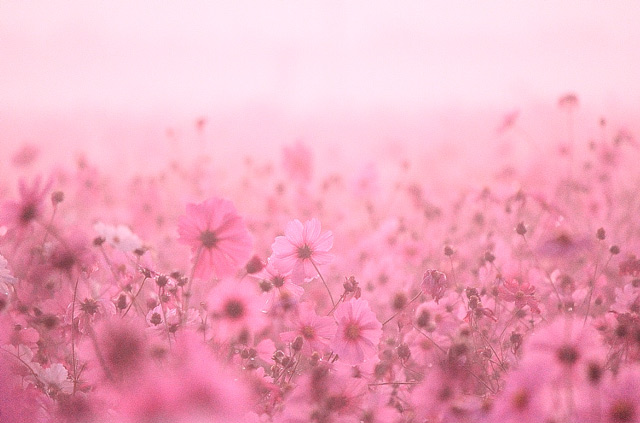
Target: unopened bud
point(254, 265)
point(296, 345)
point(162, 280)
point(57, 197)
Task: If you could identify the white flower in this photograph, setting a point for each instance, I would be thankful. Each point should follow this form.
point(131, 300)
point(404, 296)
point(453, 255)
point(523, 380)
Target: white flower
point(119, 237)
point(5, 275)
point(55, 378)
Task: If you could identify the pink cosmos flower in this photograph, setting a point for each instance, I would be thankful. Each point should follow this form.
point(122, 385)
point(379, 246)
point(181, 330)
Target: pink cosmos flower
point(218, 237)
point(568, 346)
point(316, 331)
point(301, 249)
point(358, 333)
point(19, 214)
point(234, 310)
point(434, 283)
point(621, 402)
point(280, 292)
point(521, 293)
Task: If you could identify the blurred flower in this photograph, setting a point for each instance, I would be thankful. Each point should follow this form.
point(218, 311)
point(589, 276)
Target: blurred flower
point(621, 402)
point(119, 237)
point(217, 236)
point(298, 162)
point(358, 333)
point(234, 311)
point(5, 274)
point(19, 214)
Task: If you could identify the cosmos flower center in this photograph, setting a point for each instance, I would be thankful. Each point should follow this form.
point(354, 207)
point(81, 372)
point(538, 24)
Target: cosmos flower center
point(567, 354)
point(308, 332)
point(622, 411)
point(304, 252)
point(277, 281)
point(28, 213)
point(352, 332)
point(89, 306)
point(234, 309)
point(209, 239)
point(520, 400)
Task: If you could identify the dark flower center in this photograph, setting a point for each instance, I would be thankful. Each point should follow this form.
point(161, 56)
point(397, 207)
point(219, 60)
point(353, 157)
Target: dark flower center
point(28, 213)
point(234, 309)
point(89, 306)
point(308, 332)
point(520, 400)
point(304, 252)
point(209, 239)
point(352, 332)
point(277, 281)
point(567, 354)
point(622, 411)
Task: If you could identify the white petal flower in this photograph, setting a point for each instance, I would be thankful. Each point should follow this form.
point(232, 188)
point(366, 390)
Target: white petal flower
point(119, 237)
point(5, 275)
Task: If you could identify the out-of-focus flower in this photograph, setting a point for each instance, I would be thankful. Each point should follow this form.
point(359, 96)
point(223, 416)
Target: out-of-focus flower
point(55, 379)
point(278, 288)
point(298, 162)
point(218, 237)
point(621, 403)
point(358, 332)
point(301, 249)
point(5, 274)
point(526, 396)
point(234, 311)
point(568, 347)
point(88, 311)
point(119, 237)
point(19, 214)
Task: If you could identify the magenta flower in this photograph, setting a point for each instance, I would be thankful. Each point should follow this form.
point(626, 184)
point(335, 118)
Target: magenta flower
point(316, 331)
point(217, 236)
point(434, 283)
point(521, 293)
point(301, 249)
point(19, 214)
point(234, 310)
point(358, 333)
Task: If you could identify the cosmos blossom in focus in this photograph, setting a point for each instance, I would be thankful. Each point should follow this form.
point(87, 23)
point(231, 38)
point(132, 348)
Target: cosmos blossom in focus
point(302, 247)
point(218, 237)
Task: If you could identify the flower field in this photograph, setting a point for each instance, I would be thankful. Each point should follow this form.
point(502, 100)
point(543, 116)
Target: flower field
point(379, 292)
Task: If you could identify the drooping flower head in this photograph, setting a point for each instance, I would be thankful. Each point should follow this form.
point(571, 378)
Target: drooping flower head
point(301, 249)
point(358, 333)
point(434, 283)
point(218, 237)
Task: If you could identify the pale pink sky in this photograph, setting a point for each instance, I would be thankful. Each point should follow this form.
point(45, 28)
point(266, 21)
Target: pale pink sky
point(89, 71)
